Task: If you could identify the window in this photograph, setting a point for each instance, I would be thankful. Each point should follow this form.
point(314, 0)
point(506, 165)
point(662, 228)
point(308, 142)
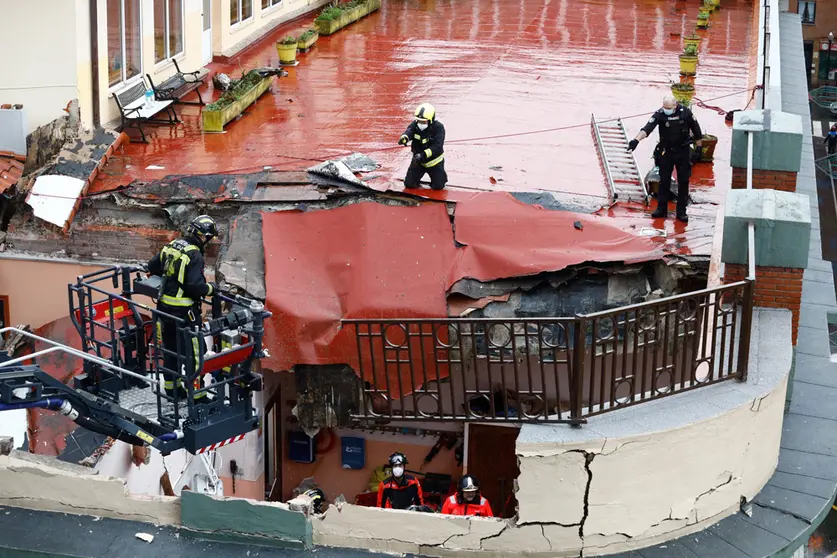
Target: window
point(240, 10)
point(168, 29)
point(270, 3)
point(124, 40)
point(808, 11)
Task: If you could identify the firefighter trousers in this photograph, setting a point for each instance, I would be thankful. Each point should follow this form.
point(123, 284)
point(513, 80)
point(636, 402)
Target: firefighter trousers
point(438, 176)
point(167, 336)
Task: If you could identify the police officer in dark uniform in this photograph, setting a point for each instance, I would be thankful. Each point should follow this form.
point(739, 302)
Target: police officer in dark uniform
point(181, 265)
point(675, 122)
point(428, 146)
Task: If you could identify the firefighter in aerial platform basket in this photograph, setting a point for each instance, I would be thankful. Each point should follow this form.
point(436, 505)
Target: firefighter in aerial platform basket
point(428, 146)
point(677, 127)
point(181, 265)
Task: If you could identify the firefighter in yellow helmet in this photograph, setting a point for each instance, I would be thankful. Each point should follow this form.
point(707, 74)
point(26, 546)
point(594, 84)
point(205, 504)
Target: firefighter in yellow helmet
point(428, 145)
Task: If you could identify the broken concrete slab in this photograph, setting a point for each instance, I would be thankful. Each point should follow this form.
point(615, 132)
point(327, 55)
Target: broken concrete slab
point(274, 524)
point(358, 162)
point(241, 258)
point(44, 483)
point(567, 473)
point(336, 170)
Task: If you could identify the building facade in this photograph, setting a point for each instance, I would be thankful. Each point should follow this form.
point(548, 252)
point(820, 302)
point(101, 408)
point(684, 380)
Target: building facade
point(99, 47)
point(818, 20)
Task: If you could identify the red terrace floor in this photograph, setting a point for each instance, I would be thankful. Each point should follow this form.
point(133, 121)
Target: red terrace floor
point(490, 67)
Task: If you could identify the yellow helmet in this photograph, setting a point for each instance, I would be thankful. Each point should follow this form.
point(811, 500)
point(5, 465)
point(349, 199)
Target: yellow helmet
point(426, 111)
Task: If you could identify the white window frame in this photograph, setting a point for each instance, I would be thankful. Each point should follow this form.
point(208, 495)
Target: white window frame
point(166, 34)
point(241, 11)
point(125, 83)
point(273, 5)
point(812, 6)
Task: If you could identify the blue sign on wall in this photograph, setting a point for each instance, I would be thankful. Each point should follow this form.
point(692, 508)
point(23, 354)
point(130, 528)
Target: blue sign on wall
point(353, 452)
point(301, 447)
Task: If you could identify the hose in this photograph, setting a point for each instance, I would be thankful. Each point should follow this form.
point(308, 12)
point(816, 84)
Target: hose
point(113, 432)
point(49, 403)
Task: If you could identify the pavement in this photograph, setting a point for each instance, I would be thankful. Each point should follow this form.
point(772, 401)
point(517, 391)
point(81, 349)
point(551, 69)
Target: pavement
point(56, 535)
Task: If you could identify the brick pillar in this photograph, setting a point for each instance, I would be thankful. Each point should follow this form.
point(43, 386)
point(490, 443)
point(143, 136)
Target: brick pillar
point(775, 287)
point(782, 223)
point(777, 149)
point(776, 180)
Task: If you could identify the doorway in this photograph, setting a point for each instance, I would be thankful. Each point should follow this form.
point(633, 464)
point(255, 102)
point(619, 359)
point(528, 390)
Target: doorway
point(493, 461)
point(809, 60)
point(207, 32)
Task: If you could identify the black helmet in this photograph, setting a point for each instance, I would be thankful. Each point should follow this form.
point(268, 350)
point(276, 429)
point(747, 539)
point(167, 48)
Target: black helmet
point(398, 458)
point(317, 498)
point(468, 484)
point(203, 228)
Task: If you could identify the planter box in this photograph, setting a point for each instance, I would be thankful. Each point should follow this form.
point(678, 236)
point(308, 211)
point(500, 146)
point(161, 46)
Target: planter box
point(215, 120)
point(347, 17)
point(308, 43)
point(329, 27)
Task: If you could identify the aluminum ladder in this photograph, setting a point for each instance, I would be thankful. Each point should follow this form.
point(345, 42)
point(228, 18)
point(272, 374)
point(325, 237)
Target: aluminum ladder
point(624, 179)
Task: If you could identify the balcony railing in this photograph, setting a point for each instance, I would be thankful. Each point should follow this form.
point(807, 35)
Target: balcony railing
point(558, 370)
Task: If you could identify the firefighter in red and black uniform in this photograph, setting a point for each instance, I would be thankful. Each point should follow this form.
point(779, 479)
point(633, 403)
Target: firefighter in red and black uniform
point(400, 490)
point(468, 501)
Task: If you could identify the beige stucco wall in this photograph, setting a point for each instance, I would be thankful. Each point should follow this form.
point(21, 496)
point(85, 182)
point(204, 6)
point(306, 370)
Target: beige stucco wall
point(230, 40)
point(39, 57)
point(37, 290)
point(44, 483)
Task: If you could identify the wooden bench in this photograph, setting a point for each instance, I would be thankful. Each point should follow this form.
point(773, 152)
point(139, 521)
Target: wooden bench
point(179, 85)
point(136, 112)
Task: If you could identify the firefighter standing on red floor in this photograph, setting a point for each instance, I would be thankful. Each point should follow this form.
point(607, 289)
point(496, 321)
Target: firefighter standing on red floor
point(399, 491)
point(428, 145)
point(468, 500)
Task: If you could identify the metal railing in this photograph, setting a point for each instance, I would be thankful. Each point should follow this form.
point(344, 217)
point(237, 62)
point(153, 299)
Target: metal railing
point(559, 370)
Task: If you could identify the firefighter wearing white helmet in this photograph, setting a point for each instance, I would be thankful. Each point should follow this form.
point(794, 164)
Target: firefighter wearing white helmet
point(427, 136)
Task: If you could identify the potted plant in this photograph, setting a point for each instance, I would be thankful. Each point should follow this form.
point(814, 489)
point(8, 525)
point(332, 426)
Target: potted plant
point(704, 9)
point(688, 61)
point(683, 92)
point(693, 39)
point(307, 40)
point(241, 95)
point(330, 20)
point(708, 144)
point(703, 20)
point(286, 48)
point(709, 5)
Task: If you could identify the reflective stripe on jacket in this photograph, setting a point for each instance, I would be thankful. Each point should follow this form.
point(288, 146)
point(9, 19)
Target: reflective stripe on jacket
point(480, 508)
point(400, 495)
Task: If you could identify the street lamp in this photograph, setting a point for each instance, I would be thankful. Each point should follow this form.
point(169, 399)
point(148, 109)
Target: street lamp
point(830, 40)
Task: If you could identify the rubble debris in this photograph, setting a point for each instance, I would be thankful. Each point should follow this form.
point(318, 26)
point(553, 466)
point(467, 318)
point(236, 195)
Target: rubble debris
point(145, 537)
point(15, 341)
point(6, 445)
point(336, 170)
point(238, 264)
point(358, 162)
point(650, 231)
point(221, 81)
point(578, 225)
point(326, 396)
point(53, 198)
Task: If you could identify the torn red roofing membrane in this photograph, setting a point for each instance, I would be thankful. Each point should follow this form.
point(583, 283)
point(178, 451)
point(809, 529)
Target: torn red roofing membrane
point(371, 260)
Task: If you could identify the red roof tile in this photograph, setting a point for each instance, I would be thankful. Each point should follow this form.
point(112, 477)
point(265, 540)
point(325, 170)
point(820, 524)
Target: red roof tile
point(10, 170)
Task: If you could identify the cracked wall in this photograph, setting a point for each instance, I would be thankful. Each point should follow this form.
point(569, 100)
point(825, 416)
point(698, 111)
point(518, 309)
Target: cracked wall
point(44, 483)
point(636, 491)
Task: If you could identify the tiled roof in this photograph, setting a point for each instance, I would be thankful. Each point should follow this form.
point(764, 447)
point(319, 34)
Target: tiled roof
point(11, 169)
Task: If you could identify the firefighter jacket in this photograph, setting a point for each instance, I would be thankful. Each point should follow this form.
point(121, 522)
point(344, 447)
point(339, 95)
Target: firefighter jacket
point(455, 505)
point(400, 495)
point(430, 142)
point(181, 264)
point(675, 129)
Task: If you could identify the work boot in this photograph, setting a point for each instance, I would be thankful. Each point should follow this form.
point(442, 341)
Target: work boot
point(682, 217)
point(660, 212)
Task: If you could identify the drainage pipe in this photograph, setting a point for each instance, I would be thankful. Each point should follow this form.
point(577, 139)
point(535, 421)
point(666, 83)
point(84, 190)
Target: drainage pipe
point(94, 61)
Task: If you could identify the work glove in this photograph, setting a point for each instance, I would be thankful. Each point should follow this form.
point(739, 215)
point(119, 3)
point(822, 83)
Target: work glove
point(212, 288)
point(403, 140)
point(418, 157)
point(697, 152)
point(632, 144)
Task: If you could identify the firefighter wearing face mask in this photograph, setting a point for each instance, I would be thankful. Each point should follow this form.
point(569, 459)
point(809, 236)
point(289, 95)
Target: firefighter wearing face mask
point(400, 490)
point(428, 145)
point(676, 123)
point(468, 500)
